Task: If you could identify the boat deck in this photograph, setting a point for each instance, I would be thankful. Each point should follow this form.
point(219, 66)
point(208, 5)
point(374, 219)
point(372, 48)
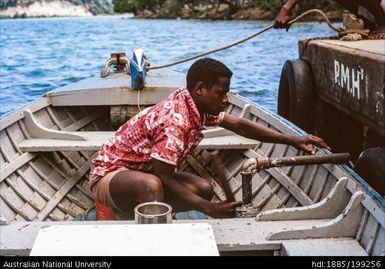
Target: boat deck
point(231, 236)
point(370, 46)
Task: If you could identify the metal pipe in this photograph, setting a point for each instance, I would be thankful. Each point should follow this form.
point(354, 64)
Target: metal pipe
point(247, 192)
point(266, 162)
point(247, 210)
point(248, 163)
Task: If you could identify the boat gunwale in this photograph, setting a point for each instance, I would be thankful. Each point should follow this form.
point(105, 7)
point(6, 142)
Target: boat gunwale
point(18, 114)
point(295, 129)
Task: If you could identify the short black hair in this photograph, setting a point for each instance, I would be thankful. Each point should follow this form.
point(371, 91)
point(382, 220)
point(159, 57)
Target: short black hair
point(208, 71)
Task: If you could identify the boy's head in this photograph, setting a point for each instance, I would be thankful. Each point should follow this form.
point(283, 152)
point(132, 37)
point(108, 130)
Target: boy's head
point(208, 71)
point(208, 81)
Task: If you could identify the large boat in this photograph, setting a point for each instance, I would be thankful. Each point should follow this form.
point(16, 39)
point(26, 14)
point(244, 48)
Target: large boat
point(337, 88)
point(47, 147)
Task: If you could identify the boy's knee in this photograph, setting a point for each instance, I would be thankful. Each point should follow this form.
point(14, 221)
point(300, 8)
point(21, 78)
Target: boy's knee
point(206, 190)
point(153, 189)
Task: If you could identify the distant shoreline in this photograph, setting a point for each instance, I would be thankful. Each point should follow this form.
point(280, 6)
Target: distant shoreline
point(48, 9)
point(227, 11)
point(59, 8)
point(130, 16)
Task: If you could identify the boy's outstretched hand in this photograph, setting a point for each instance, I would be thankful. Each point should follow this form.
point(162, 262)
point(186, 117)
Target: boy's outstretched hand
point(305, 143)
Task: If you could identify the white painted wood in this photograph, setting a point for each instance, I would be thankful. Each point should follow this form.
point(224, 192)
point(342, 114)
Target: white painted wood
point(36, 130)
point(116, 90)
point(375, 209)
point(362, 225)
point(188, 239)
point(273, 119)
point(230, 234)
point(227, 142)
point(373, 238)
point(367, 236)
point(54, 118)
point(111, 96)
point(62, 192)
point(82, 122)
point(284, 180)
point(246, 108)
point(217, 132)
point(94, 140)
point(3, 221)
point(19, 114)
point(272, 200)
point(14, 201)
point(323, 247)
point(330, 207)
point(201, 171)
point(344, 225)
point(379, 247)
point(16, 164)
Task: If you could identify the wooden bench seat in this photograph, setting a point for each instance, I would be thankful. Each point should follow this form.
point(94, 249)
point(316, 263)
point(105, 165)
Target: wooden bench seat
point(46, 139)
point(323, 247)
point(94, 140)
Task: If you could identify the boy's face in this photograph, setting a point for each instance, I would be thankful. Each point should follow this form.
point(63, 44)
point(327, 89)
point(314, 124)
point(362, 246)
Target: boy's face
point(215, 99)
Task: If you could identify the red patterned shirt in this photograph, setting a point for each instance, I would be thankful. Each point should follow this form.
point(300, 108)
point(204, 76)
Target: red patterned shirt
point(168, 131)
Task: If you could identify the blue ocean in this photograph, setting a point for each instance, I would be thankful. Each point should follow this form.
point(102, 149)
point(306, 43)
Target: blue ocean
point(39, 55)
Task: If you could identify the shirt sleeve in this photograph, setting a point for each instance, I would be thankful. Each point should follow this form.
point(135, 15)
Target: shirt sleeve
point(213, 120)
point(168, 143)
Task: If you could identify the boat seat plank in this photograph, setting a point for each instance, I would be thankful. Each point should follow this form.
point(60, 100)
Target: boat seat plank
point(323, 247)
point(227, 142)
point(126, 240)
point(94, 140)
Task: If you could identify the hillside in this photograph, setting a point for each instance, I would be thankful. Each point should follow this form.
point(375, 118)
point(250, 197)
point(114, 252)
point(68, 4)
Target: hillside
point(49, 8)
point(168, 9)
point(220, 9)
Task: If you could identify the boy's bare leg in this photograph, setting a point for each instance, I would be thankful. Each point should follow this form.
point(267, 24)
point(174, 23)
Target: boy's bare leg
point(129, 188)
point(195, 184)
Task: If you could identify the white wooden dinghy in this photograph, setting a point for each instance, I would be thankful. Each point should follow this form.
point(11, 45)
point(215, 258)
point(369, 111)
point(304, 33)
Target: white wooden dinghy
point(47, 146)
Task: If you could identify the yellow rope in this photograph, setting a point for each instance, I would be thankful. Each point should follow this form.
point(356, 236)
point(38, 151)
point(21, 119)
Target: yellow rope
point(212, 51)
point(315, 11)
point(246, 39)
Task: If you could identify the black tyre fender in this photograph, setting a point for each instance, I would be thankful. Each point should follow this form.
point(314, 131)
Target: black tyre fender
point(297, 93)
point(370, 165)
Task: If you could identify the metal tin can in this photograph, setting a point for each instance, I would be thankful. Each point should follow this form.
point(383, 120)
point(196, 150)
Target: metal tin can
point(153, 212)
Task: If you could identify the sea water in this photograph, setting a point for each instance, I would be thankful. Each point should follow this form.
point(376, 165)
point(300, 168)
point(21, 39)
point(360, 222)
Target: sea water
point(39, 55)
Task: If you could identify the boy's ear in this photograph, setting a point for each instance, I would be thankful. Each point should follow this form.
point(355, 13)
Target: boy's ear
point(199, 88)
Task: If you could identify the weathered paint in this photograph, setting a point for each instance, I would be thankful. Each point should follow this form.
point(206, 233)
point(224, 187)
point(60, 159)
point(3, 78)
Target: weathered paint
point(351, 77)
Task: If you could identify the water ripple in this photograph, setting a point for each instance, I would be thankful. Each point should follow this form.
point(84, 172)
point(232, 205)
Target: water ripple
point(38, 55)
